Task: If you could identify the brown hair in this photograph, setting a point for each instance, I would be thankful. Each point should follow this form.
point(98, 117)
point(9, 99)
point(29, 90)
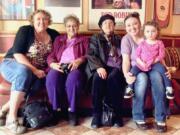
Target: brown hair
point(40, 11)
point(71, 17)
point(154, 24)
point(133, 15)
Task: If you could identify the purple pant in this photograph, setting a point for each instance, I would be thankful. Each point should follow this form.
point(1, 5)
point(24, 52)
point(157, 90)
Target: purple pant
point(60, 85)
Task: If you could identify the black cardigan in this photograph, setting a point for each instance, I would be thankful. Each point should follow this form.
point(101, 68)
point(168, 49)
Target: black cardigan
point(24, 39)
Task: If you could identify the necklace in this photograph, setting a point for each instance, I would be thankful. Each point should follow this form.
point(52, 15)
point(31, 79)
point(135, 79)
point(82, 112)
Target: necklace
point(42, 37)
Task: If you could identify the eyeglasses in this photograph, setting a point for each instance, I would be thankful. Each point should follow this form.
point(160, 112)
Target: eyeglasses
point(73, 26)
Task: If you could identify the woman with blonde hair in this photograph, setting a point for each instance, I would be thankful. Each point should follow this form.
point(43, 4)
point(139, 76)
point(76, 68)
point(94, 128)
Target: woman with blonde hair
point(24, 63)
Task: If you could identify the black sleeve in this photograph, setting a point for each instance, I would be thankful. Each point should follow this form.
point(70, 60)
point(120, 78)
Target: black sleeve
point(21, 40)
point(93, 54)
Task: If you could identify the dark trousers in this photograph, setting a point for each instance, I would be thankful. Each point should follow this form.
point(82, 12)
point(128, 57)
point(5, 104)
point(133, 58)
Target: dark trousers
point(111, 90)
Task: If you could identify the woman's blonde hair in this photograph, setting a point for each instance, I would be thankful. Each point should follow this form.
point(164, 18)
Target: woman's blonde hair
point(71, 17)
point(40, 11)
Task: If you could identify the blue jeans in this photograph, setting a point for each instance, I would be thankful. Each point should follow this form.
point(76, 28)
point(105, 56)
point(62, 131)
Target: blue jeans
point(158, 96)
point(162, 70)
point(20, 76)
point(157, 67)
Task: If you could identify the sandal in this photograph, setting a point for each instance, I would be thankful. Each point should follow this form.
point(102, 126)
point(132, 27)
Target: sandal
point(2, 118)
point(15, 127)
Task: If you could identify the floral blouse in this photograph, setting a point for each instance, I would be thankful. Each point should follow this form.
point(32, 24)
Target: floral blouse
point(37, 54)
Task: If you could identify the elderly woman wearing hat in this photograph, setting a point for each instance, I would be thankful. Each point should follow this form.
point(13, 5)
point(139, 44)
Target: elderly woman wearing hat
point(105, 72)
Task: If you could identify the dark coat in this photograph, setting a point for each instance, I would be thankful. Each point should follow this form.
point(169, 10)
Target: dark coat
point(96, 53)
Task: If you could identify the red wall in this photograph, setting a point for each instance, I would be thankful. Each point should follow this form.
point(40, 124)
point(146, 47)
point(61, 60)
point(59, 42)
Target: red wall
point(6, 41)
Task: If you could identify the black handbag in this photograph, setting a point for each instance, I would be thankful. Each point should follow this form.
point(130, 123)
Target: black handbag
point(107, 115)
point(37, 114)
point(64, 67)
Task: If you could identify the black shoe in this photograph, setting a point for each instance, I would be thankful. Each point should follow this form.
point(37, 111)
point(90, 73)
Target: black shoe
point(160, 128)
point(169, 95)
point(57, 114)
point(118, 122)
point(129, 93)
point(56, 118)
point(96, 122)
point(73, 120)
point(142, 126)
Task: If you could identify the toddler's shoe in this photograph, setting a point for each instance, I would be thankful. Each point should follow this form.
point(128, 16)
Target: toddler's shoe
point(169, 93)
point(129, 93)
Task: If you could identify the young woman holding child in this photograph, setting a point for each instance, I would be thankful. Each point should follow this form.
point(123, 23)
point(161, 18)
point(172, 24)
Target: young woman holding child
point(129, 44)
point(149, 56)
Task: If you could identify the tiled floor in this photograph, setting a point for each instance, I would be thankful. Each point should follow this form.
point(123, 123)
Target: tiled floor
point(84, 128)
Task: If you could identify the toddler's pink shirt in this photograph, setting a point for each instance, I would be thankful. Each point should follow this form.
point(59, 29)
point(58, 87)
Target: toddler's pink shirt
point(149, 52)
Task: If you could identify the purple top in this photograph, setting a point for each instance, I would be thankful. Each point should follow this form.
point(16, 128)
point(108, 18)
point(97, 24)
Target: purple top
point(128, 46)
point(149, 52)
point(59, 45)
point(68, 55)
point(114, 61)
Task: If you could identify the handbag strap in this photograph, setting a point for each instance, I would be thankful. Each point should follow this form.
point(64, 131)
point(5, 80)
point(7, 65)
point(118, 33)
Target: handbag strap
point(29, 94)
point(109, 107)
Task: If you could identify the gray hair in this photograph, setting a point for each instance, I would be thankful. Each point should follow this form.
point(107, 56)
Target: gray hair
point(71, 17)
